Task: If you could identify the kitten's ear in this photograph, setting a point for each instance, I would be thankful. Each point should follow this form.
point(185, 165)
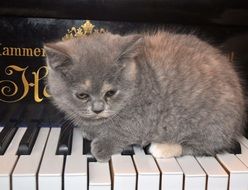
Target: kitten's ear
point(132, 47)
point(56, 56)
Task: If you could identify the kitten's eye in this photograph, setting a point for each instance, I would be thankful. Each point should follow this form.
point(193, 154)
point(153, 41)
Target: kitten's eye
point(82, 96)
point(110, 93)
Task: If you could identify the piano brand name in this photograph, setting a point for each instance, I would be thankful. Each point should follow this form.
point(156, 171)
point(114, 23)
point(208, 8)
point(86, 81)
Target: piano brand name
point(22, 52)
point(23, 84)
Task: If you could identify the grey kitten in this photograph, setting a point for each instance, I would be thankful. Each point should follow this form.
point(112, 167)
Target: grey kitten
point(172, 90)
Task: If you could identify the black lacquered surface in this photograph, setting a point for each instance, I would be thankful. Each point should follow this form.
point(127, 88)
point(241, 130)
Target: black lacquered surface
point(33, 113)
point(3, 110)
point(16, 113)
point(231, 12)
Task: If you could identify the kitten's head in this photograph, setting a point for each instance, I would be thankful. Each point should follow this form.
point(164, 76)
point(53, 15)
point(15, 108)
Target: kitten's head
point(93, 77)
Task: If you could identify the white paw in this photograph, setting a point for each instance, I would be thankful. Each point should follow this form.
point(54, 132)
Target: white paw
point(165, 150)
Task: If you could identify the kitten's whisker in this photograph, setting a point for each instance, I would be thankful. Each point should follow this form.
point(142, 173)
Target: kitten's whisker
point(72, 119)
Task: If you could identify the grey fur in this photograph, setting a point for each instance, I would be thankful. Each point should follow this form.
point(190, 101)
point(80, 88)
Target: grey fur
point(171, 88)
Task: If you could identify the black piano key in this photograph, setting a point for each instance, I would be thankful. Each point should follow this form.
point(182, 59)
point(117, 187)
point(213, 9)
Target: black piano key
point(128, 150)
point(91, 159)
point(65, 140)
point(236, 148)
point(27, 142)
point(146, 149)
point(6, 135)
point(86, 146)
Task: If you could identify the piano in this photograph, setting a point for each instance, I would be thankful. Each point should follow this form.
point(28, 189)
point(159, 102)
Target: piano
point(39, 150)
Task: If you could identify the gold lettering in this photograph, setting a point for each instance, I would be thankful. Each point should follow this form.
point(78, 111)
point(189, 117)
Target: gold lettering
point(45, 93)
point(37, 52)
point(15, 51)
point(43, 52)
point(9, 88)
point(27, 52)
point(23, 52)
point(37, 79)
point(5, 51)
point(10, 91)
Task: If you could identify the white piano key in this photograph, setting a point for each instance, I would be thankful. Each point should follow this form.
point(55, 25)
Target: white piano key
point(24, 174)
point(238, 172)
point(217, 176)
point(172, 174)
point(99, 176)
point(244, 145)
point(77, 142)
point(148, 172)
point(50, 173)
point(244, 149)
point(244, 141)
point(194, 176)
point(123, 172)
point(138, 150)
point(75, 173)
point(243, 158)
point(8, 160)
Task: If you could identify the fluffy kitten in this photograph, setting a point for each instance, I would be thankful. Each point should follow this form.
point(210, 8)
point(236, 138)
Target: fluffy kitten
point(172, 90)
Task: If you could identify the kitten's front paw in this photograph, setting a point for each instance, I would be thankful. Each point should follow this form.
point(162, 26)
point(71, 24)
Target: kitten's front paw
point(165, 150)
point(101, 150)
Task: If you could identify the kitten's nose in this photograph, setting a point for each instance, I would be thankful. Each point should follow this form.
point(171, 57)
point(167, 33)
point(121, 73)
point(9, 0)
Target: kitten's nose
point(97, 106)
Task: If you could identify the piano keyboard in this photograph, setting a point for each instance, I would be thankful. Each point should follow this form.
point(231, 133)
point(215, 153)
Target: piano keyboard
point(54, 157)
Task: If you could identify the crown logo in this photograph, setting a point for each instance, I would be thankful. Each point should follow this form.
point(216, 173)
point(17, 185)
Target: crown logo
point(85, 29)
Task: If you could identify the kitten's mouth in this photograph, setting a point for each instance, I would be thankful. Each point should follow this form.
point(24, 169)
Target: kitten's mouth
point(97, 119)
point(100, 116)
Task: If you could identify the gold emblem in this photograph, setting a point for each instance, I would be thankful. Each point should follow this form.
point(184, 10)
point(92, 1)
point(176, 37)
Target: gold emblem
point(85, 29)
